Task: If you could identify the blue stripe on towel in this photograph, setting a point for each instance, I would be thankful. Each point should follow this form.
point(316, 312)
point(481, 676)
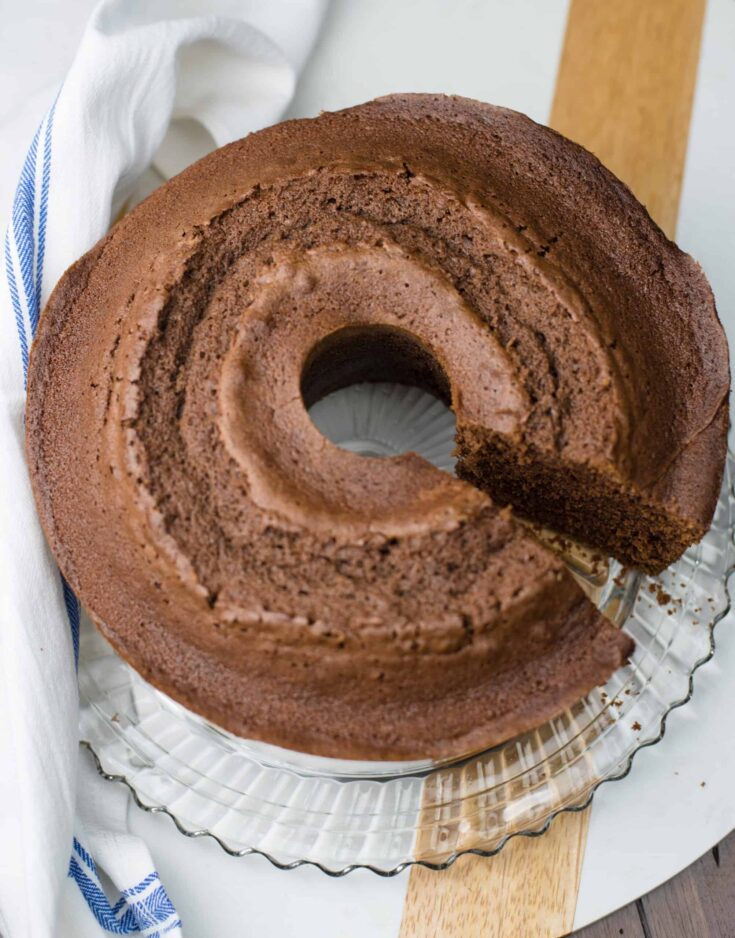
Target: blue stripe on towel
point(153, 914)
point(143, 884)
point(73, 613)
point(22, 226)
point(25, 248)
point(42, 215)
point(97, 900)
point(15, 300)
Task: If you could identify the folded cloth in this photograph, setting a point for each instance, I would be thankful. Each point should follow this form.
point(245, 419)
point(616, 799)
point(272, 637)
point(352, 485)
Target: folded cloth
point(154, 81)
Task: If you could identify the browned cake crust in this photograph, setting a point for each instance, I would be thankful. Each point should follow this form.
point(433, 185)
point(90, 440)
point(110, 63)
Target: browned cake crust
point(300, 594)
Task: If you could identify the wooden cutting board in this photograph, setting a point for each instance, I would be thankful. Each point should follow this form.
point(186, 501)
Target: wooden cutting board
point(624, 90)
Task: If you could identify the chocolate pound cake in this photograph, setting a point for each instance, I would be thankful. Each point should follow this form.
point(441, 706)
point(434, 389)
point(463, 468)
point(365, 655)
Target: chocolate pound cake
point(297, 593)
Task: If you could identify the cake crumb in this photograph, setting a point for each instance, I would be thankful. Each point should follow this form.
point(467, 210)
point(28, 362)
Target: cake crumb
point(659, 593)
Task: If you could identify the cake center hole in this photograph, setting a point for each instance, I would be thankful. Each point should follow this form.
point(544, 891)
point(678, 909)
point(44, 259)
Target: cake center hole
point(378, 391)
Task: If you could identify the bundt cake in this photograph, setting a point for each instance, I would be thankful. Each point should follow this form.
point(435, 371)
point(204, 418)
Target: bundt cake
point(291, 591)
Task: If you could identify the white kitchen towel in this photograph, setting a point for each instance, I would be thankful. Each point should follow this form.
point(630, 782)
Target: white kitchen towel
point(154, 81)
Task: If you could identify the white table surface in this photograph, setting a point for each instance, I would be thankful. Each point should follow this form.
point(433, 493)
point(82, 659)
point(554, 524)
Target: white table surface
point(650, 826)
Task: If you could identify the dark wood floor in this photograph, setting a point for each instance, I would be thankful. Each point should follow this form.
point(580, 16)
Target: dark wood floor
point(698, 903)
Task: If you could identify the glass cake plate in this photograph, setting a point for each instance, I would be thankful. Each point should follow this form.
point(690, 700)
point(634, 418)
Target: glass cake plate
point(340, 815)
